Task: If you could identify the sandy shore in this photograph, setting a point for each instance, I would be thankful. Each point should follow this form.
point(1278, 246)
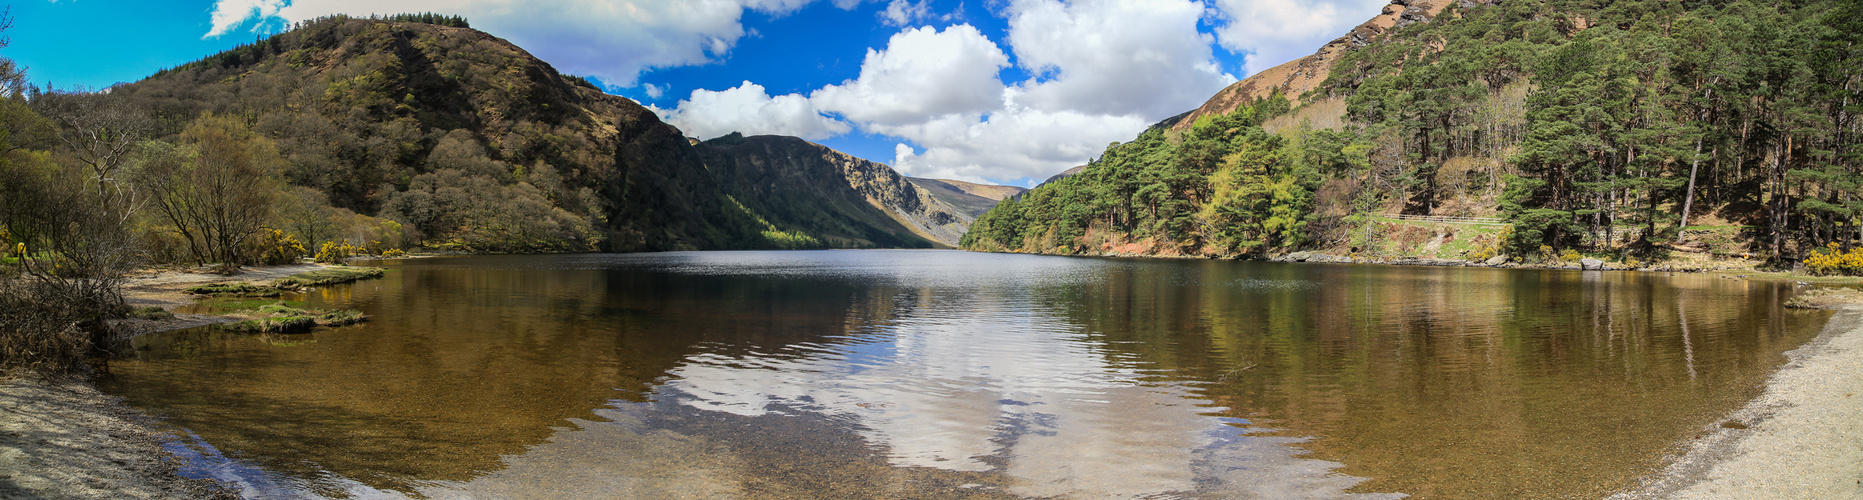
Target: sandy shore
point(1801, 439)
point(61, 438)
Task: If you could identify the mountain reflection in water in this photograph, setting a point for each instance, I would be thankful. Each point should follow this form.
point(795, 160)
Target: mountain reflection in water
point(952, 374)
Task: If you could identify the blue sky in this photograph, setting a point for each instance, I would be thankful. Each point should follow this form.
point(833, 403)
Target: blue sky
point(1006, 91)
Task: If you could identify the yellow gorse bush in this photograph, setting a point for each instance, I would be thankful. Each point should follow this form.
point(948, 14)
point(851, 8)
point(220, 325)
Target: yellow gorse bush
point(276, 247)
point(337, 252)
point(1832, 260)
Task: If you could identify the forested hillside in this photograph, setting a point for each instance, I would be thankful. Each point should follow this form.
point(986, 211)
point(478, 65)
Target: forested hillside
point(420, 132)
point(1604, 128)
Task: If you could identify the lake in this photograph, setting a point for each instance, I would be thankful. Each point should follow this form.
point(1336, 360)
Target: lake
point(949, 374)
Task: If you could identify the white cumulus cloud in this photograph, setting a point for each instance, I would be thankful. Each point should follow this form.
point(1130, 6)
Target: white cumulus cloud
point(1106, 70)
point(904, 12)
point(923, 73)
point(1272, 32)
point(1117, 57)
point(1015, 144)
point(749, 109)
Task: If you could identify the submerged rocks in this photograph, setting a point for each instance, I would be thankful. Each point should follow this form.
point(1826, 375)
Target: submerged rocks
point(1313, 257)
point(1417, 261)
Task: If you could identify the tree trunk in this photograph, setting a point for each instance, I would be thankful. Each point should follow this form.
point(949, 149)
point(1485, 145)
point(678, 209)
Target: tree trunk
point(1688, 200)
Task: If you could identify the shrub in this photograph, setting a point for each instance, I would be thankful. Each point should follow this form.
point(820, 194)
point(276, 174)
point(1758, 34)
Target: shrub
point(1832, 260)
point(337, 252)
point(1570, 255)
point(50, 326)
point(274, 247)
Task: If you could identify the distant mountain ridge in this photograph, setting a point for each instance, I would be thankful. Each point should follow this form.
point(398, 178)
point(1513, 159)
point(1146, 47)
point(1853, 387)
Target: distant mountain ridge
point(970, 198)
point(790, 178)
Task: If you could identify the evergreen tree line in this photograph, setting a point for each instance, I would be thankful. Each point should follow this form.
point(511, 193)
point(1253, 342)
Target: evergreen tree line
point(1601, 128)
point(1225, 188)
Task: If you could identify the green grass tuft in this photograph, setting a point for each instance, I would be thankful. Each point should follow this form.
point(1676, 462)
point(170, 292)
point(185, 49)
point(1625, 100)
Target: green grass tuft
point(280, 324)
point(236, 290)
point(151, 312)
point(329, 276)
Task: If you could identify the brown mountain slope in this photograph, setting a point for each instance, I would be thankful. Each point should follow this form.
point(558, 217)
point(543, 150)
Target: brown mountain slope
point(1294, 78)
point(440, 126)
point(970, 198)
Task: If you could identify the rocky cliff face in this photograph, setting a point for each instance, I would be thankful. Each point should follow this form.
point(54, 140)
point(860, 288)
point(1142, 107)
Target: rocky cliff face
point(788, 179)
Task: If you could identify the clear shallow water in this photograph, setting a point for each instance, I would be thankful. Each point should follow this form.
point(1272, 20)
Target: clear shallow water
point(950, 374)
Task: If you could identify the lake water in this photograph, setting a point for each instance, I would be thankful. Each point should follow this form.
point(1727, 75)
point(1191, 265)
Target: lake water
point(942, 374)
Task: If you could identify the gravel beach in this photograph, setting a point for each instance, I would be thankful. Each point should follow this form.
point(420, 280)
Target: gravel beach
point(1801, 439)
point(64, 439)
point(60, 438)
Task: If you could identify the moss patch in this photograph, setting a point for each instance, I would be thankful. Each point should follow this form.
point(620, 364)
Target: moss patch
point(236, 290)
point(151, 312)
point(282, 317)
point(278, 324)
point(328, 276)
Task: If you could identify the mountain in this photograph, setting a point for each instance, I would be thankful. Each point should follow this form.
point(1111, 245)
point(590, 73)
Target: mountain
point(822, 191)
point(473, 144)
point(971, 199)
point(1620, 130)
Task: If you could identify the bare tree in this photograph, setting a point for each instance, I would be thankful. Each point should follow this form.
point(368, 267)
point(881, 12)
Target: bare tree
point(101, 132)
point(217, 187)
point(53, 303)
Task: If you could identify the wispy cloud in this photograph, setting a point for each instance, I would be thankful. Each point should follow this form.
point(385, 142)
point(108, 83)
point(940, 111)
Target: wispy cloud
point(229, 14)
